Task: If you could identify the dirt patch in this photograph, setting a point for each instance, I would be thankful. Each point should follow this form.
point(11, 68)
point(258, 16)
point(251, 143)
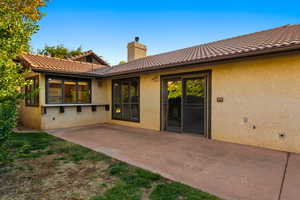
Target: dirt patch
point(46, 178)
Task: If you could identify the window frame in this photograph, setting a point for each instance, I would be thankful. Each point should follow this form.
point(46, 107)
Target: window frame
point(129, 103)
point(89, 59)
point(63, 79)
point(36, 100)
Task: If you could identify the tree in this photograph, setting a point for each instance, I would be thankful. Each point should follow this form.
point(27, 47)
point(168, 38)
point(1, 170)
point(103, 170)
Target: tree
point(59, 51)
point(27, 9)
point(122, 62)
point(18, 21)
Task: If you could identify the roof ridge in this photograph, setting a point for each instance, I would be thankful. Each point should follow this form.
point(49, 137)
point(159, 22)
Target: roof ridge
point(81, 54)
point(234, 37)
point(89, 52)
point(291, 25)
point(247, 34)
point(64, 59)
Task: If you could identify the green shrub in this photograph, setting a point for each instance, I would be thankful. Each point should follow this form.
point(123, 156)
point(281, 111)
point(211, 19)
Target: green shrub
point(8, 115)
point(17, 24)
point(4, 155)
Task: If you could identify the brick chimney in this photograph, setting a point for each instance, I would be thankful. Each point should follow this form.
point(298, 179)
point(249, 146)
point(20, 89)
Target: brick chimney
point(136, 50)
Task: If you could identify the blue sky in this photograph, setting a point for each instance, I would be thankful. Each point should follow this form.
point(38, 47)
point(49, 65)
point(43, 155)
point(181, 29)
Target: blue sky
point(107, 26)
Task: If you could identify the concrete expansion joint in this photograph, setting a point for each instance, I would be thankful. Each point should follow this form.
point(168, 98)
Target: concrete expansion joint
point(284, 174)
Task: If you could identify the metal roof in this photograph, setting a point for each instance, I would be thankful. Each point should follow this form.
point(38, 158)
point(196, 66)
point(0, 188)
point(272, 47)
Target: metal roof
point(269, 41)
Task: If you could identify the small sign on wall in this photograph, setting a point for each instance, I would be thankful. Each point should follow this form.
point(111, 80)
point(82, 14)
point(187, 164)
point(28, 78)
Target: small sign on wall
point(99, 83)
point(220, 99)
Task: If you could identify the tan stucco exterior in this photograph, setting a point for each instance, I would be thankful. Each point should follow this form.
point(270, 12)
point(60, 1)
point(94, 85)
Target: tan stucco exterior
point(35, 118)
point(264, 92)
point(70, 118)
point(260, 108)
point(261, 102)
point(29, 116)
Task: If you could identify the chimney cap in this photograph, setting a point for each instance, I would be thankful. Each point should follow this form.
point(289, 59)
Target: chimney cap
point(136, 38)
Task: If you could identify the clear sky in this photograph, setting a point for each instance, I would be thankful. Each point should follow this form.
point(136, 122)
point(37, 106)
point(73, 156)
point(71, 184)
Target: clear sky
point(107, 26)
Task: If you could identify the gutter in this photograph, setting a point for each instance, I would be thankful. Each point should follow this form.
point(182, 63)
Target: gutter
point(79, 74)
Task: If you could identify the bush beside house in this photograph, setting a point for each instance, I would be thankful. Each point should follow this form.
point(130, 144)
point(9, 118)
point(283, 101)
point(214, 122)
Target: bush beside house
point(18, 21)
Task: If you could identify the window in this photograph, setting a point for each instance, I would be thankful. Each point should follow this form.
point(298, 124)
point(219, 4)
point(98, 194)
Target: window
point(83, 91)
point(89, 59)
point(31, 92)
point(125, 97)
point(68, 91)
point(54, 94)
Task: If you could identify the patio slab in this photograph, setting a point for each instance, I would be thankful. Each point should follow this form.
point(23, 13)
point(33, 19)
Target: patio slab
point(291, 186)
point(230, 171)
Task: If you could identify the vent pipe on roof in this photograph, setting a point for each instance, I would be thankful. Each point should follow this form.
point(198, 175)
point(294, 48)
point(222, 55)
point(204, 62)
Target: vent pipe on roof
point(136, 50)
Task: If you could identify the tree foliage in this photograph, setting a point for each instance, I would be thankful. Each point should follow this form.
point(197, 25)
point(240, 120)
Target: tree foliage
point(122, 62)
point(18, 20)
point(59, 51)
point(28, 9)
point(195, 88)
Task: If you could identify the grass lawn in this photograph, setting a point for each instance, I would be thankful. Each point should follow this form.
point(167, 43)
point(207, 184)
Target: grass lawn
point(46, 167)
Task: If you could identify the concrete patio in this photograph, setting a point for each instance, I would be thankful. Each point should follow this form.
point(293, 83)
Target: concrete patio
point(230, 171)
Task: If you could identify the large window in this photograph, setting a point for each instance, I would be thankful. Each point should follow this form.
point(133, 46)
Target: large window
point(31, 92)
point(125, 96)
point(68, 91)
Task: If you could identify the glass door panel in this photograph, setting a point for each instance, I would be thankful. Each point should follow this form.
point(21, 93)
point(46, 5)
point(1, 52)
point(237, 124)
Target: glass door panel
point(173, 96)
point(194, 95)
point(184, 104)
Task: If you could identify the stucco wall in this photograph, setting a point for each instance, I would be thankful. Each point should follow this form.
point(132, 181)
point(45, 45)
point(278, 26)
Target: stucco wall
point(71, 118)
point(262, 93)
point(30, 116)
point(33, 117)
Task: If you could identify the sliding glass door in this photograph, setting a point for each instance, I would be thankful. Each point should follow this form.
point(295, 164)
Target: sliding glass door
point(172, 102)
point(185, 103)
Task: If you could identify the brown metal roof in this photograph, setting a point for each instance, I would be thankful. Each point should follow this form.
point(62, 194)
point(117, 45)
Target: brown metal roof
point(275, 40)
point(279, 39)
point(49, 64)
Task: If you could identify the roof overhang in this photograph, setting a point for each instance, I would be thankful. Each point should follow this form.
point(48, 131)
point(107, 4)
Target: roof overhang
point(214, 60)
point(71, 74)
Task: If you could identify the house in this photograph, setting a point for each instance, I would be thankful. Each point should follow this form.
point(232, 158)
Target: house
point(243, 90)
